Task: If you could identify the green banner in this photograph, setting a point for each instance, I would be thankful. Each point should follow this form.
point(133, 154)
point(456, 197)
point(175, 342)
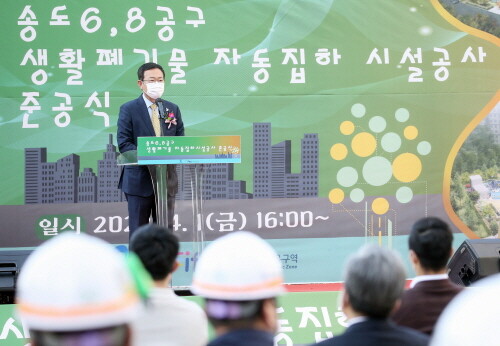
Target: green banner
point(303, 318)
point(356, 119)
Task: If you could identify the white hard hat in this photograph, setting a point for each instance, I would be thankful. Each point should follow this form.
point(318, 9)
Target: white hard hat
point(238, 266)
point(472, 317)
point(76, 282)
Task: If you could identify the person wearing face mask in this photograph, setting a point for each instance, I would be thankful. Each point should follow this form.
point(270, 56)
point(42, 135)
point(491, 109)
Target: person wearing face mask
point(140, 118)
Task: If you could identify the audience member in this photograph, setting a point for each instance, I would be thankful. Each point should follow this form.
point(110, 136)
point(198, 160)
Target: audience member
point(239, 275)
point(472, 317)
point(374, 282)
point(76, 290)
point(167, 319)
point(430, 244)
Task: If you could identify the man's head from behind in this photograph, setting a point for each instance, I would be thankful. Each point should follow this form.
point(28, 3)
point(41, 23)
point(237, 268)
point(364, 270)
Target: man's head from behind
point(239, 275)
point(374, 282)
point(157, 248)
point(431, 242)
point(76, 288)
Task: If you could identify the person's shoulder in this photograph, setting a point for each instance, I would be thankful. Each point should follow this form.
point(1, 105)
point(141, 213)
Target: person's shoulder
point(189, 306)
point(454, 287)
point(188, 303)
point(132, 103)
point(414, 296)
point(348, 337)
point(413, 336)
point(169, 105)
point(327, 342)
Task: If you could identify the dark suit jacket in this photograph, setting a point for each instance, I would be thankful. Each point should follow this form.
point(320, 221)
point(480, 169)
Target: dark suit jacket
point(134, 121)
point(422, 305)
point(375, 332)
point(243, 337)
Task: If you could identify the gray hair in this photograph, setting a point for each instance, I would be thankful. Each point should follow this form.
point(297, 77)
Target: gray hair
point(374, 280)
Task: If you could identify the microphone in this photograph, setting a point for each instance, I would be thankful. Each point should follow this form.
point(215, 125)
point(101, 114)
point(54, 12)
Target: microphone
point(161, 108)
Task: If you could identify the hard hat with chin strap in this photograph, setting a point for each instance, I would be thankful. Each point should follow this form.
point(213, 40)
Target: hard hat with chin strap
point(239, 266)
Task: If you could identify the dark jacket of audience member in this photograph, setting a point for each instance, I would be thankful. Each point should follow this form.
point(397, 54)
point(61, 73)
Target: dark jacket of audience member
point(374, 281)
point(430, 245)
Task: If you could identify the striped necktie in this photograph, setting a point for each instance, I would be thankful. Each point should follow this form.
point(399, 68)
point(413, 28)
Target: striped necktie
point(155, 120)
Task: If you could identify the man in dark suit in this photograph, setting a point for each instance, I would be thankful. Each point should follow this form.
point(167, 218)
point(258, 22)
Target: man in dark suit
point(374, 280)
point(142, 118)
point(430, 244)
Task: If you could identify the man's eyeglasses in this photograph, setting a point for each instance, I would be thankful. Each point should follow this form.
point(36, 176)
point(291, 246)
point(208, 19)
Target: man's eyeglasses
point(153, 81)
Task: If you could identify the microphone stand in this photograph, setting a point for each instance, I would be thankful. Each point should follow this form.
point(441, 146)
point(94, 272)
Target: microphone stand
point(160, 182)
point(161, 113)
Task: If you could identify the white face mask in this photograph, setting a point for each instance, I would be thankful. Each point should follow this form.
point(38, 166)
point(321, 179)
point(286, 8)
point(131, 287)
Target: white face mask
point(155, 90)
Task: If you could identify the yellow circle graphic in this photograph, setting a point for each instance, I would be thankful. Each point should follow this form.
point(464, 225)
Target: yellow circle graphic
point(406, 167)
point(410, 132)
point(347, 127)
point(338, 151)
point(336, 196)
point(380, 206)
point(364, 144)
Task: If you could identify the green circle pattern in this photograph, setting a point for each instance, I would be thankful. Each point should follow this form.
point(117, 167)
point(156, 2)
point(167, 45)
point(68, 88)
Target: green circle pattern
point(391, 142)
point(424, 148)
point(377, 124)
point(402, 115)
point(377, 171)
point(357, 195)
point(347, 176)
point(404, 194)
point(358, 110)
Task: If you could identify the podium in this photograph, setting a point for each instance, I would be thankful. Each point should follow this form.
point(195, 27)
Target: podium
point(195, 151)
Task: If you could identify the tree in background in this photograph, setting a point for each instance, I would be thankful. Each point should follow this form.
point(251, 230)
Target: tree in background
point(479, 155)
point(479, 21)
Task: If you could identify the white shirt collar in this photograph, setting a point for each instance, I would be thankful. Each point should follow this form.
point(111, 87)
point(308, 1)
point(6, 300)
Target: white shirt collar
point(357, 319)
point(432, 277)
point(148, 102)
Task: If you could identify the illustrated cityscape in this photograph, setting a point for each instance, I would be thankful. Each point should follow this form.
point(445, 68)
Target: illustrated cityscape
point(62, 182)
